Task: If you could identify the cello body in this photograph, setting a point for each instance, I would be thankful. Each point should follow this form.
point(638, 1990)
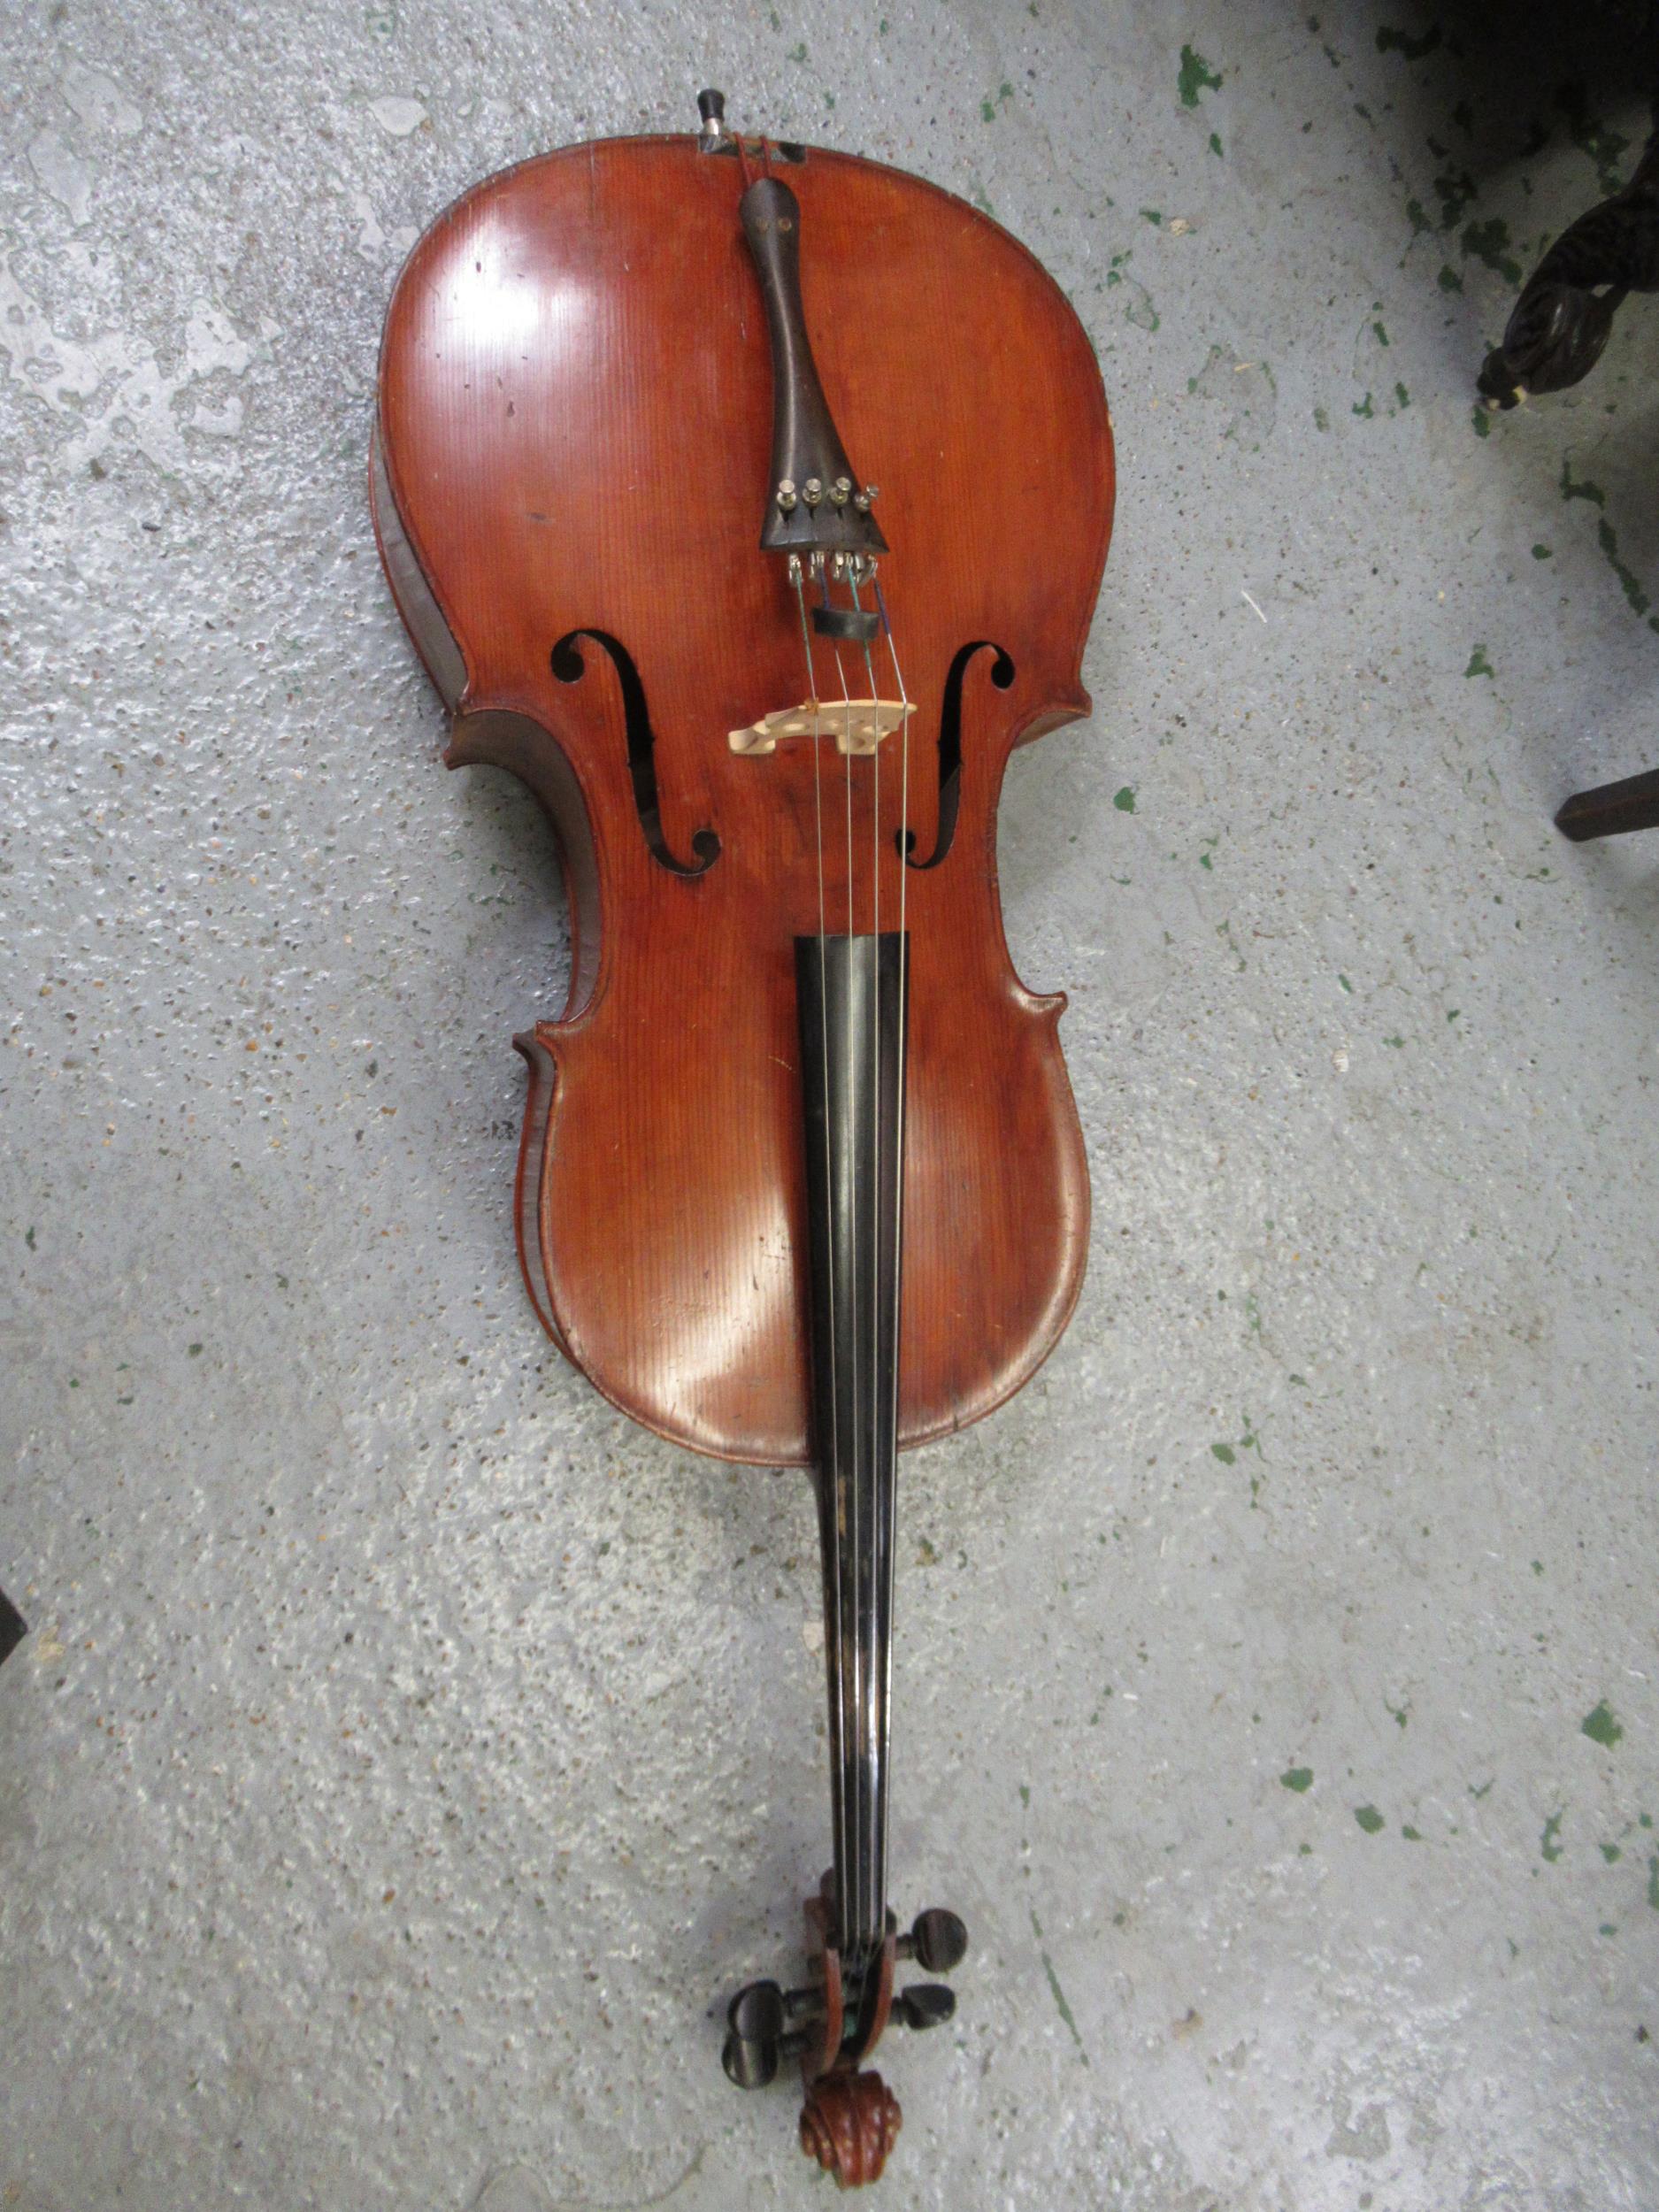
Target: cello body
point(580, 391)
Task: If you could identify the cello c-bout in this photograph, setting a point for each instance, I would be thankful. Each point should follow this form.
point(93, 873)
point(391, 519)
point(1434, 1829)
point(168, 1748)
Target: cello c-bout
point(750, 504)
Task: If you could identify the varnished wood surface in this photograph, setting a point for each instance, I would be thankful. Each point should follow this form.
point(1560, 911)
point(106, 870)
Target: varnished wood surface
point(575, 423)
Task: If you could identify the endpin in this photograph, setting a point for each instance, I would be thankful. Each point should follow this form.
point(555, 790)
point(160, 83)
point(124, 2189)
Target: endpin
point(711, 108)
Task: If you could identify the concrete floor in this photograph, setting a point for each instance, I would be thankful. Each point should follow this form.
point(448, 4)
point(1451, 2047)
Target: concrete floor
point(409, 1754)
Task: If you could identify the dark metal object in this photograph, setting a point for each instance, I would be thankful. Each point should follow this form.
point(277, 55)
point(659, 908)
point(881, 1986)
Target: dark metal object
point(858, 624)
point(714, 138)
point(1612, 810)
point(13, 1627)
point(806, 446)
point(850, 992)
point(1564, 315)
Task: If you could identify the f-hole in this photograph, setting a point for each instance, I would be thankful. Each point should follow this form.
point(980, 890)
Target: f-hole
point(568, 666)
point(950, 748)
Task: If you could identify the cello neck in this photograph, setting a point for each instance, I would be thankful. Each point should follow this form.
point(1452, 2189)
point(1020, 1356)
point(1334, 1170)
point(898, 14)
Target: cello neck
point(851, 993)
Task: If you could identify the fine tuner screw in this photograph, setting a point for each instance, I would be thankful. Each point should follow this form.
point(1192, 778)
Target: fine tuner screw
point(812, 491)
point(841, 490)
point(785, 495)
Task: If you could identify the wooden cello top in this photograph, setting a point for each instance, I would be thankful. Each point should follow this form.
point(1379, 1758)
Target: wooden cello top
point(575, 426)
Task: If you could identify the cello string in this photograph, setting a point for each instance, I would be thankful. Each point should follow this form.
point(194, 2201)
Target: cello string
point(872, 1689)
point(898, 1180)
point(860, 1913)
point(835, 1475)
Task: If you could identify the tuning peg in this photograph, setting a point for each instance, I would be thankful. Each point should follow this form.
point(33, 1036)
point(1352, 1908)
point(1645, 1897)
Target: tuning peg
point(925, 2005)
point(755, 2045)
point(763, 2021)
point(937, 1940)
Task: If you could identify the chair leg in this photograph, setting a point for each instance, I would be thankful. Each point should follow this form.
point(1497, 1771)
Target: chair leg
point(1612, 809)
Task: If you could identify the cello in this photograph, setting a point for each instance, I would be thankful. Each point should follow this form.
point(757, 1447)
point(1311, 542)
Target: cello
point(802, 1181)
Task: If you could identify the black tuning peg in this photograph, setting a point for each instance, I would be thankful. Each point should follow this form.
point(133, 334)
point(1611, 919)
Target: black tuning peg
point(926, 2005)
point(938, 1940)
point(755, 2045)
point(762, 2019)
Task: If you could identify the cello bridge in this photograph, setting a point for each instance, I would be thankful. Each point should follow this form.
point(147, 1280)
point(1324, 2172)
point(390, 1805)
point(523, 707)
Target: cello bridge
point(858, 725)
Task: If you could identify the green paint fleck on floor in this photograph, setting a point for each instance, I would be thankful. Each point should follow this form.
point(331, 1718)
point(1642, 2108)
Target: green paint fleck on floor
point(1025, 1795)
point(1489, 242)
point(1364, 408)
point(1628, 582)
point(1653, 1882)
point(1455, 191)
point(1124, 800)
point(1580, 486)
point(1402, 395)
point(1196, 76)
point(1599, 1726)
point(1449, 280)
point(194, 1350)
point(28, 1239)
point(1541, 553)
point(1368, 1818)
point(1482, 421)
point(1321, 421)
point(1297, 1778)
point(1404, 43)
point(1604, 146)
point(1152, 215)
point(1611, 1853)
point(1411, 1834)
point(1417, 215)
point(1547, 1843)
point(991, 103)
point(1479, 665)
point(1055, 1990)
point(1215, 142)
point(1225, 1453)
